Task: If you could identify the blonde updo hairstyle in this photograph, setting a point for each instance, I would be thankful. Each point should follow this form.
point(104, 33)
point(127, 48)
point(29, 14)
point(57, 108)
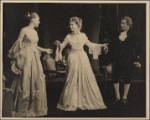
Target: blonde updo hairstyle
point(76, 20)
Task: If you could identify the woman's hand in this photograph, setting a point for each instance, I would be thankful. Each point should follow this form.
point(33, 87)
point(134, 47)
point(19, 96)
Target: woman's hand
point(49, 51)
point(58, 43)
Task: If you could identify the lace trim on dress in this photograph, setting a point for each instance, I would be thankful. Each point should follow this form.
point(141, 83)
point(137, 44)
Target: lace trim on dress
point(95, 49)
point(58, 54)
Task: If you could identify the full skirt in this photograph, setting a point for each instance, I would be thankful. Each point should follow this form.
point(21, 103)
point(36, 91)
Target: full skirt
point(81, 90)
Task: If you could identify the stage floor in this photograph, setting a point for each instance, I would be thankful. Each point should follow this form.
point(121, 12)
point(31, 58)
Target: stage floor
point(135, 108)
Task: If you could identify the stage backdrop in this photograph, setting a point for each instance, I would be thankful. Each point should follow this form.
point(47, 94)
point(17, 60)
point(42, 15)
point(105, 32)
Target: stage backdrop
point(97, 19)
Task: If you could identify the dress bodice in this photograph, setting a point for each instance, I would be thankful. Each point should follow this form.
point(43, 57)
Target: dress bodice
point(30, 40)
point(76, 41)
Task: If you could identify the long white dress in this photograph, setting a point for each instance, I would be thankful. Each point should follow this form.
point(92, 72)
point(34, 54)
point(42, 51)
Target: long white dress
point(80, 90)
point(30, 97)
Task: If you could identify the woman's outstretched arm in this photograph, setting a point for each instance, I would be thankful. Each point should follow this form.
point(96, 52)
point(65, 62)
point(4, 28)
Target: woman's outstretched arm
point(95, 48)
point(44, 50)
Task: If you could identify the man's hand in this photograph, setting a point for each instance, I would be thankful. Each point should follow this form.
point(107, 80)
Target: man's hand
point(137, 64)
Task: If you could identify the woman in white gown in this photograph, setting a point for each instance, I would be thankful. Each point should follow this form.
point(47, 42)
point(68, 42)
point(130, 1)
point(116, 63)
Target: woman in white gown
point(30, 97)
point(80, 90)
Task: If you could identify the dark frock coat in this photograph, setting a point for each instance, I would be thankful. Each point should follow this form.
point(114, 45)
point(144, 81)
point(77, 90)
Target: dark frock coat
point(123, 55)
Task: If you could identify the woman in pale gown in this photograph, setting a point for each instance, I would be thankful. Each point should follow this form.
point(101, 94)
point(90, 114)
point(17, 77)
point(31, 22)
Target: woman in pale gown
point(29, 84)
point(81, 90)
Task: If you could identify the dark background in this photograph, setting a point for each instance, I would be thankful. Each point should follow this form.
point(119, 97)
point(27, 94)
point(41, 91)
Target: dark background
point(99, 21)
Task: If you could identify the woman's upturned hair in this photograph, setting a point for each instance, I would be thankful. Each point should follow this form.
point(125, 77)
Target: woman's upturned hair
point(31, 15)
point(76, 20)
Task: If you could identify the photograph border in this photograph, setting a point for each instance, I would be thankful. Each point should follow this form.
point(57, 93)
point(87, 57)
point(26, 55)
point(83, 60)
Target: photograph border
point(147, 2)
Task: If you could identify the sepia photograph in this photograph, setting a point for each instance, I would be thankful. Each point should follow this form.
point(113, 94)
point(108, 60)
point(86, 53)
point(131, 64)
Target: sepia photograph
point(74, 60)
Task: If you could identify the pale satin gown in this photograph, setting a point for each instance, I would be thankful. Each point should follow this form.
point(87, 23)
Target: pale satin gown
point(30, 96)
point(80, 90)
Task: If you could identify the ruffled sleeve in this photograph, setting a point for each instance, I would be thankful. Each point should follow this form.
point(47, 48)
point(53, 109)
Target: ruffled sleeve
point(94, 48)
point(58, 53)
point(14, 54)
point(15, 49)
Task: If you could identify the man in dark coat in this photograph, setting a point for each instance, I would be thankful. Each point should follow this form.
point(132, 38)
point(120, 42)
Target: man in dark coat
point(124, 52)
